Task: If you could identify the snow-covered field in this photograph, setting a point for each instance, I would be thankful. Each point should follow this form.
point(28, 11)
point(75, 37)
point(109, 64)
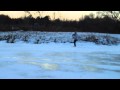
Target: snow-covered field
point(22, 60)
point(38, 37)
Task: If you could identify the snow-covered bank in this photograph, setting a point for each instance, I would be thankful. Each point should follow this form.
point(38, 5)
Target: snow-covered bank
point(59, 60)
point(38, 37)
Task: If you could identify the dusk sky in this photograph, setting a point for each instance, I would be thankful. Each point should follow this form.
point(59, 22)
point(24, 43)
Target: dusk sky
point(69, 15)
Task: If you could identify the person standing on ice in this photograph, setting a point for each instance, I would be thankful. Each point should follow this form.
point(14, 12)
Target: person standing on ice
point(75, 38)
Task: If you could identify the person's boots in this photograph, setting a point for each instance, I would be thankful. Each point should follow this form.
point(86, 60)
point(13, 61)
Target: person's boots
point(74, 45)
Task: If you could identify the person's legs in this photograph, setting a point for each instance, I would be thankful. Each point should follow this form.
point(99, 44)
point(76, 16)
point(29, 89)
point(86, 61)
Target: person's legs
point(74, 43)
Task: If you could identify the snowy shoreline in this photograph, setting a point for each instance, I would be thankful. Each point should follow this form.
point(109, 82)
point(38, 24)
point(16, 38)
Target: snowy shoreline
point(38, 37)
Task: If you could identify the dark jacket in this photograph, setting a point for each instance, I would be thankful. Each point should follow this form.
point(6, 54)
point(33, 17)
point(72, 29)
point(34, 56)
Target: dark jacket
point(75, 36)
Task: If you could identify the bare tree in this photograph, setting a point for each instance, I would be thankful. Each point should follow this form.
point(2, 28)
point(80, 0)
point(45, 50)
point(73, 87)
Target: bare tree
point(40, 13)
point(54, 15)
point(112, 14)
point(59, 15)
point(91, 15)
point(28, 12)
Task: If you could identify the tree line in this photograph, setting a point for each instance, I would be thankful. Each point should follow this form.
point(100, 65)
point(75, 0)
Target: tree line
point(104, 22)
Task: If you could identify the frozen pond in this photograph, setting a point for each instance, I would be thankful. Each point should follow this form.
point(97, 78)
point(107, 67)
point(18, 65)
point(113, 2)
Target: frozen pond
point(58, 61)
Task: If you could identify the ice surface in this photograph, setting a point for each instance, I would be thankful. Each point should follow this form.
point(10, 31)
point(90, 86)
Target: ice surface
point(59, 61)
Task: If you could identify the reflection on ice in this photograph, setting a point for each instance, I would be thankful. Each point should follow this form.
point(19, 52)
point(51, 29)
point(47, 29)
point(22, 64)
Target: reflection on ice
point(63, 62)
point(90, 62)
point(48, 66)
point(90, 68)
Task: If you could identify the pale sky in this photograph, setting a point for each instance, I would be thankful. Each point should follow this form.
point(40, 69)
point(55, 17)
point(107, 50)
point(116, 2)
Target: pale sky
point(69, 15)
